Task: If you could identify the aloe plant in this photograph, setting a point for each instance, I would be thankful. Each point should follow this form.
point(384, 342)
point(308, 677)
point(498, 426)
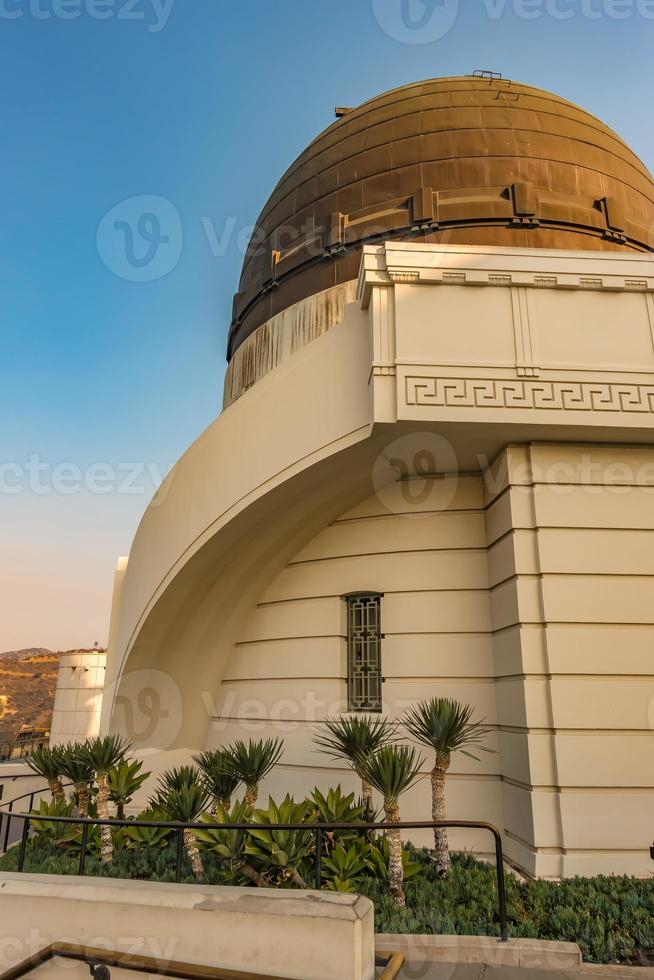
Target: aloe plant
point(219, 776)
point(391, 771)
point(445, 726)
point(352, 739)
point(252, 761)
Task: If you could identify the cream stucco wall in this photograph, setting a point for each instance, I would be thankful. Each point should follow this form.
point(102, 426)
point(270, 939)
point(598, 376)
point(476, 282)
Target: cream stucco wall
point(525, 378)
point(78, 697)
point(256, 931)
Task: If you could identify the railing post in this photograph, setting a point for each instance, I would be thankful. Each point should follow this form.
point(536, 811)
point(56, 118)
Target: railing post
point(318, 858)
point(501, 887)
point(23, 843)
point(82, 853)
point(180, 845)
point(8, 815)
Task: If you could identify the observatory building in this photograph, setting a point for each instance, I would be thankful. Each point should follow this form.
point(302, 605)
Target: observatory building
point(433, 474)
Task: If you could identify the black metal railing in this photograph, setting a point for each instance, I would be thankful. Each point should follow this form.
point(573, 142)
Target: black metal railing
point(319, 829)
point(21, 748)
point(7, 812)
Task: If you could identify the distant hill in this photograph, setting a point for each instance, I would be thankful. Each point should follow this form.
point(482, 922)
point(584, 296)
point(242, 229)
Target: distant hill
point(26, 654)
point(28, 679)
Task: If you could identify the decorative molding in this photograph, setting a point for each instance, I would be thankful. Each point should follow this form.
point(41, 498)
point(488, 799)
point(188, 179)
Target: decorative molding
point(405, 276)
point(577, 396)
point(523, 333)
point(442, 265)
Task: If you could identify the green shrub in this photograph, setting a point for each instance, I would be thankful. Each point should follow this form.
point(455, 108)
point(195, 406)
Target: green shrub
point(610, 917)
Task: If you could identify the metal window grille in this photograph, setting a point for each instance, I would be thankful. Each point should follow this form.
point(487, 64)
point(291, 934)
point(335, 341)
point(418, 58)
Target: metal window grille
point(364, 636)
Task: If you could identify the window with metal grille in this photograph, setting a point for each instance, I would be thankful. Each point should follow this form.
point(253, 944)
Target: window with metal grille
point(364, 636)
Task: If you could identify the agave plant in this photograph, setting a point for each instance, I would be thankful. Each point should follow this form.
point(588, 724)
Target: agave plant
point(229, 844)
point(336, 807)
point(344, 869)
point(102, 754)
point(252, 761)
point(58, 834)
point(352, 739)
point(219, 777)
point(47, 762)
point(80, 774)
point(279, 854)
point(391, 771)
point(445, 726)
point(183, 802)
point(137, 836)
point(124, 780)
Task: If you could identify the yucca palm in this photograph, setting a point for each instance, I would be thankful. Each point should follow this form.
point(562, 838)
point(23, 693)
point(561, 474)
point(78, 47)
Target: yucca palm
point(124, 780)
point(252, 761)
point(47, 762)
point(219, 777)
point(183, 802)
point(102, 754)
point(80, 774)
point(391, 770)
point(176, 779)
point(445, 726)
point(353, 739)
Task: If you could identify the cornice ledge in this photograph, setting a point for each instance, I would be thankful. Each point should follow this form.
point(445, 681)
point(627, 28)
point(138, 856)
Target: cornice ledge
point(442, 265)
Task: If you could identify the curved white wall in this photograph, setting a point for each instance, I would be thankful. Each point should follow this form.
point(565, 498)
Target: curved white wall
point(232, 589)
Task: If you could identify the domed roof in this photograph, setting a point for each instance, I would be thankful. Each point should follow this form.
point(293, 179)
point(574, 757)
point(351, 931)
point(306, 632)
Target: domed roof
point(475, 160)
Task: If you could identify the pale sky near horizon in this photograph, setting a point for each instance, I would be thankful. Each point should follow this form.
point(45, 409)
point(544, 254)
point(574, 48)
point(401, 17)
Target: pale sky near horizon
point(109, 368)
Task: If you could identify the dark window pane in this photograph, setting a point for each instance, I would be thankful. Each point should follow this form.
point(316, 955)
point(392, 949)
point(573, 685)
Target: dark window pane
point(364, 653)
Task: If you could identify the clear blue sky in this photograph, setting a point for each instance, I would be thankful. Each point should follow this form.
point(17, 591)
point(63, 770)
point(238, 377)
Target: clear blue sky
point(203, 103)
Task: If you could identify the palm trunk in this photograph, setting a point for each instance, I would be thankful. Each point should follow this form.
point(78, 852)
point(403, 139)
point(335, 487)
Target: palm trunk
point(252, 875)
point(395, 868)
point(438, 812)
point(107, 847)
point(366, 799)
point(193, 853)
point(251, 794)
point(57, 790)
point(120, 811)
point(224, 801)
point(297, 878)
point(82, 791)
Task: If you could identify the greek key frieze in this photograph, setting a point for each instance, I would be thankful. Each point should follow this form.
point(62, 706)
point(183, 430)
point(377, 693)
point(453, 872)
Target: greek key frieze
point(578, 396)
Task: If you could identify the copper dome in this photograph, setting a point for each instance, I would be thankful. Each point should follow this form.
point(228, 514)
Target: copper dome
point(472, 160)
